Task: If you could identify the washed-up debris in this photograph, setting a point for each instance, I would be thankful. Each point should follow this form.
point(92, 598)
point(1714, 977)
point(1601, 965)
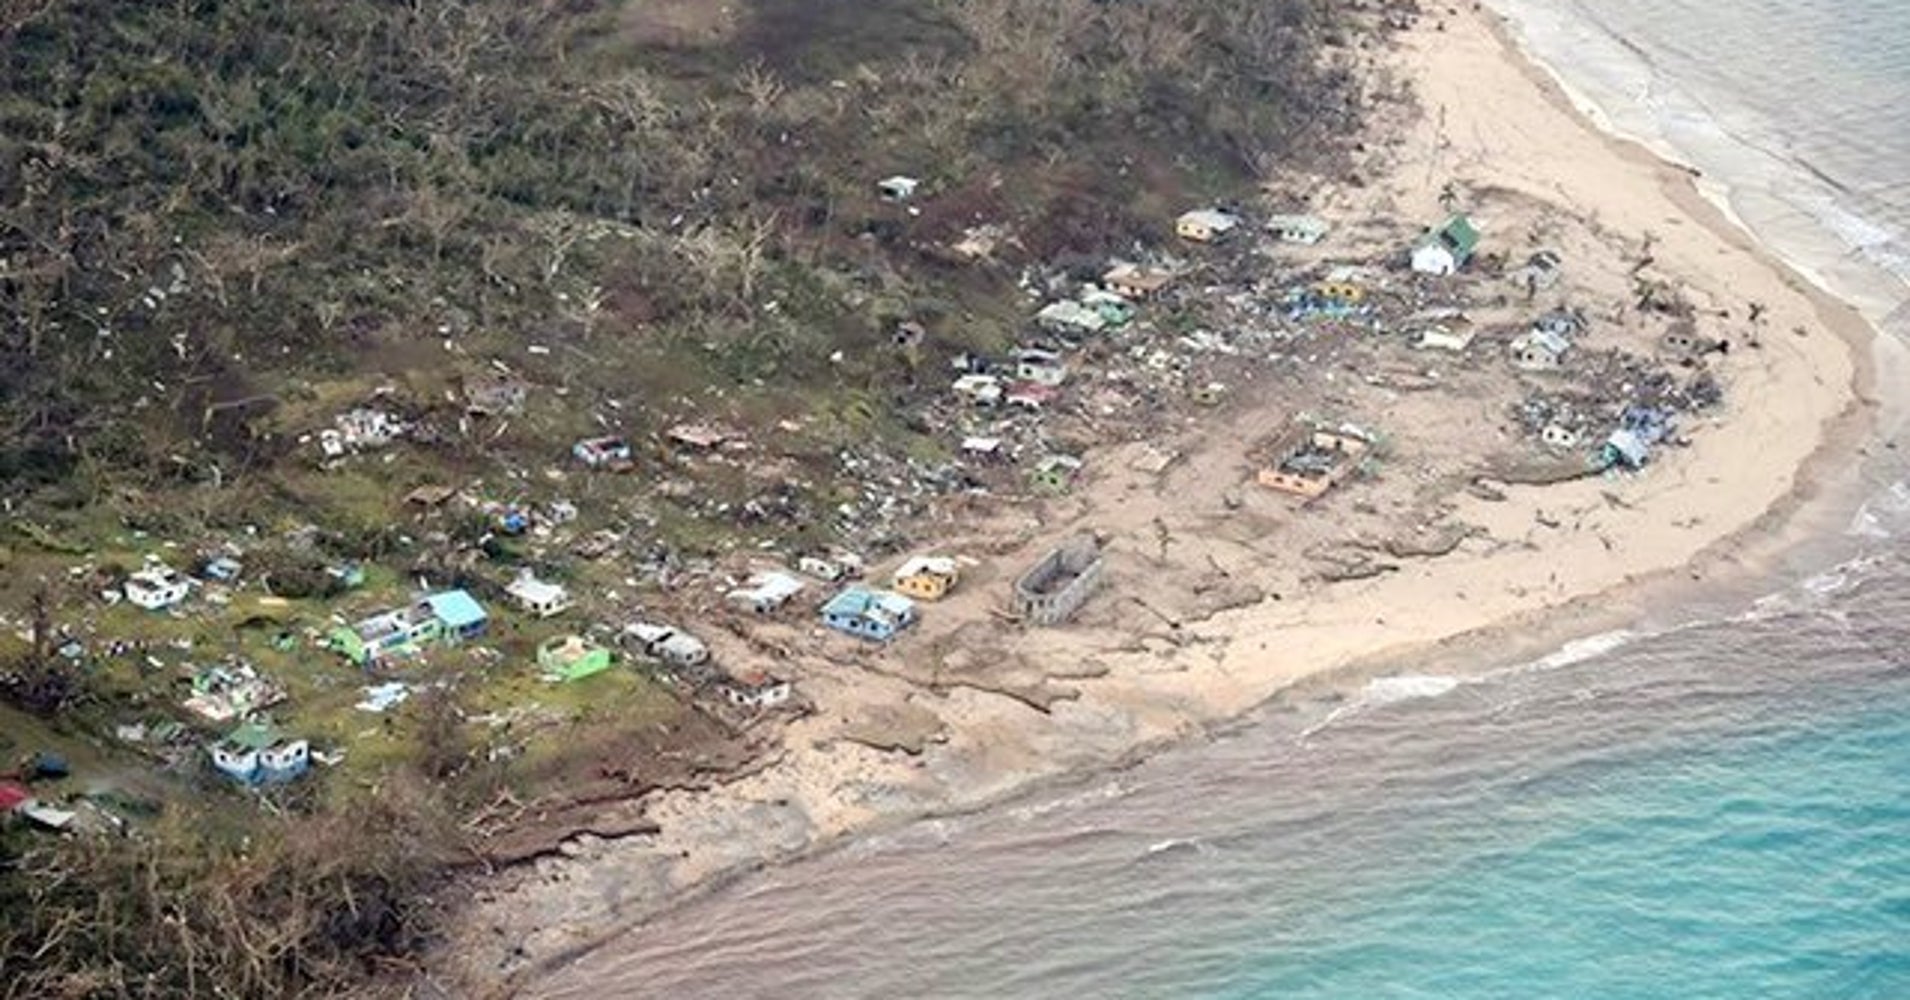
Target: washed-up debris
point(603, 453)
point(361, 429)
point(1640, 428)
point(1054, 474)
point(382, 697)
point(1443, 339)
point(1303, 229)
point(223, 693)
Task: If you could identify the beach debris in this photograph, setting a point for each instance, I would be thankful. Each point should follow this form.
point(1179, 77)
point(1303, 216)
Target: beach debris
point(1539, 273)
point(381, 697)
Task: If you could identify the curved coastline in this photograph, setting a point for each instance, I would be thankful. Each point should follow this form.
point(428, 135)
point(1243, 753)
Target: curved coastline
point(1820, 490)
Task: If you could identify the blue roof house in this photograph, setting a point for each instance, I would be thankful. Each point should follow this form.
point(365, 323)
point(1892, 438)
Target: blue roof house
point(459, 613)
point(869, 614)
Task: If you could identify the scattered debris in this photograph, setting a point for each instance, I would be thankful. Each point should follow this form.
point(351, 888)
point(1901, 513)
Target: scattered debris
point(603, 453)
point(1302, 229)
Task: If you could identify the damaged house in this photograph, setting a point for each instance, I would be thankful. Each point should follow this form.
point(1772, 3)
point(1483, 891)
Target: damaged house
point(878, 615)
point(1640, 429)
point(1312, 461)
point(494, 395)
point(362, 429)
point(1070, 317)
point(221, 694)
point(1053, 589)
point(571, 657)
point(667, 643)
point(755, 689)
point(1206, 225)
point(1446, 249)
point(1302, 229)
point(156, 587)
point(538, 597)
point(1544, 346)
point(258, 754)
point(765, 593)
point(1136, 281)
point(449, 617)
point(927, 578)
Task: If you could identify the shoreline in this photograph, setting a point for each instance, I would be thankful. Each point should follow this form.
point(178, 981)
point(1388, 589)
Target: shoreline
point(1164, 715)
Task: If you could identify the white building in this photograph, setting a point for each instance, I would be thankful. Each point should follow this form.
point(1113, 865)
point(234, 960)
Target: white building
point(766, 592)
point(539, 597)
point(156, 587)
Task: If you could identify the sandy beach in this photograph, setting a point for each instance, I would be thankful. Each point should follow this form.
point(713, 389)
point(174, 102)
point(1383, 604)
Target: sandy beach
point(1214, 603)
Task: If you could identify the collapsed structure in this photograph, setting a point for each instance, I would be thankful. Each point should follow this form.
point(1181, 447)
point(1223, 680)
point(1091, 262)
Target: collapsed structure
point(1310, 462)
point(1052, 590)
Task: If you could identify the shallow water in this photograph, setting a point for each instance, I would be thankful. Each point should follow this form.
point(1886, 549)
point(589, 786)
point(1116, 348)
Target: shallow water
point(1722, 810)
point(1798, 113)
point(1709, 808)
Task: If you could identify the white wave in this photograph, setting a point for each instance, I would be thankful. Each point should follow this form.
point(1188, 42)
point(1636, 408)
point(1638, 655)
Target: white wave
point(1578, 651)
point(1876, 516)
point(1750, 167)
point(1194, 844)
point(1406, 687)
point(1099, 793)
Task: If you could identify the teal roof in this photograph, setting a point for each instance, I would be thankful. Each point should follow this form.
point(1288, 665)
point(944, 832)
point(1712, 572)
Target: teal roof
point(254, 736)
point(456, 609)
point(856, 601)
point(1458, 234)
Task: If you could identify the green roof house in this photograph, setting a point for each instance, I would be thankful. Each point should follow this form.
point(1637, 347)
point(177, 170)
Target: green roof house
point(571, 657)
point(1447, 249)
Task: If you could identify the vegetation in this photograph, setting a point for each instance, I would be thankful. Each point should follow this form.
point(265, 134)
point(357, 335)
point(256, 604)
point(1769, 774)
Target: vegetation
point(222, 221)
point(290, 903)
point(204, 203)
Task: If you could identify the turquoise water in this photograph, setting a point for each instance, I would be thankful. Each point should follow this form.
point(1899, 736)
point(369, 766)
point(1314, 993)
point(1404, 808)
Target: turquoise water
point(1720, 809)
point(1767, 865)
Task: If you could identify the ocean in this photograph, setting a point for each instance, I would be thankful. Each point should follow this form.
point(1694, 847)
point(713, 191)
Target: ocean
point(1713, 803)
